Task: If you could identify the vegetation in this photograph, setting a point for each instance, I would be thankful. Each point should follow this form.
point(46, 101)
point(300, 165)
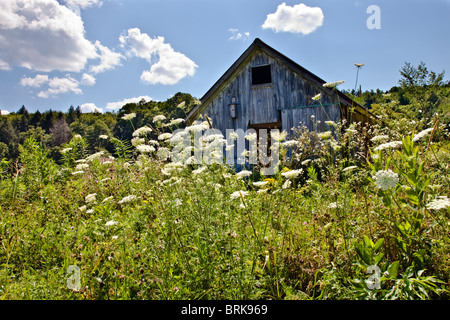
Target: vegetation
point(341, 219)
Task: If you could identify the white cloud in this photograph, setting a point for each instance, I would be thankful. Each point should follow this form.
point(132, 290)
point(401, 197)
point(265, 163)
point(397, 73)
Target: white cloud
point(87, 79)
point(4, 112)
point(238, 35)
point(60, 85)
point(119, 104)
point(90, 107)
point(83, 3)
point(297, 19)
point(108, 59)
point(170, 66)
point(36, 82)
point(43, 35)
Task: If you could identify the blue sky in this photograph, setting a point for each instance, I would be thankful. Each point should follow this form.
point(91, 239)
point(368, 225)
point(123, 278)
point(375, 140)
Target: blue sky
point(99, 54)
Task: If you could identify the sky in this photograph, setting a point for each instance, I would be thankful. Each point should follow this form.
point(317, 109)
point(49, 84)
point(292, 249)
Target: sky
point(101, 54)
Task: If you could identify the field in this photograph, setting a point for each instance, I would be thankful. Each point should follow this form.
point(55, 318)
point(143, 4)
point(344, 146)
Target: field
point(342, 219)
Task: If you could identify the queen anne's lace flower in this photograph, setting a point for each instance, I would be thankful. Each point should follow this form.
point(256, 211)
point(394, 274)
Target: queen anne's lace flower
point(422, 134)
point(127, 199)
point(243, 173)
point(159, 118)
point(142, 131)
point(292, 174)
point(129, 116)
point(389, 145)
point(441, 202)
point(237, 194)
point(385, 179)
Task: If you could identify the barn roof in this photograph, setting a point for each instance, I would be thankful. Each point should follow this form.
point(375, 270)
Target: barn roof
point(243, 59)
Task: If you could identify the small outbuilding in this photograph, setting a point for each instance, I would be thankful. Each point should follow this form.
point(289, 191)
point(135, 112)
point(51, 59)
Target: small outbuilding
point(264, 89)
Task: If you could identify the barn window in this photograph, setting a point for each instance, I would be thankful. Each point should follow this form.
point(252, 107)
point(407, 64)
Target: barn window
point(261, 75)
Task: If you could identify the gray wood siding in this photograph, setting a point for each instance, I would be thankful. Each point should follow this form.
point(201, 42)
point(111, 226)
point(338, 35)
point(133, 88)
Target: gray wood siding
point(287, 99)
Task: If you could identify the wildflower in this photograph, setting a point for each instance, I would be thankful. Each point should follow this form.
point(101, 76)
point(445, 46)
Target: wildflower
point(129, 116)
point(349, 168)
point(176, 121)
point(127, 199)
point(90, 198)
point(142, 131)
point(317, 97)
point(143, 148)
point(77, 172)
point(287, 184)
point(90, 211)
point(441, 202)
point(261, 191)
point(292, 174)
point(251, 136)
point(330, 123)
point(233, 135)
point(422, 134)
point(108, 199)
point(94, 156)
point(289, 143)
point(196, 128)
point(278, 136)
point(333, 84)
point(81, 166)
point(110, 223)
point(332, 205)
point(243, 173)
point(159, 118)
point(63, 151)
point(82, 208)
point(389, 145)
point(103, 136)
point(385, 179)
point(238, 194)
point(260, 183)
point(379, 138)
point(165, 136)
point(77, 136)
point(178, 202)
point(163, 154)
point(305, 162)
point(137, 141)
point(324, 135)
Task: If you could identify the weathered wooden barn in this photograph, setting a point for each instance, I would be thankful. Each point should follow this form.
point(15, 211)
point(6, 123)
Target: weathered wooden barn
point(266, 89)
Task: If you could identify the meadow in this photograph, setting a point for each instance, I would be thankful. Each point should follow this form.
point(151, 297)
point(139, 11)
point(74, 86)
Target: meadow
point(356, 212)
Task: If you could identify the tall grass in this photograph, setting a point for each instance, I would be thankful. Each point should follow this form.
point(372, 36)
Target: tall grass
point(143, 228)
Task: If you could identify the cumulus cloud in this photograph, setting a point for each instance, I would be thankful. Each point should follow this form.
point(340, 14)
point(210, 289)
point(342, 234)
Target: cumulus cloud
point(54, 85)
point(90, 107)
point(4, 112)
point(43, 35)
point(108, 59)
point(119, 104)
point(297, 19)
point(167, 66)
point(87, 79)
point(36, 82)
point(83, 3)
point(236, 35)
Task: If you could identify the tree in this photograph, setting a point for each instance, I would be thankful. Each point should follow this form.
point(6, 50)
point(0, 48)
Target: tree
point(419, 76)
point(60, 132)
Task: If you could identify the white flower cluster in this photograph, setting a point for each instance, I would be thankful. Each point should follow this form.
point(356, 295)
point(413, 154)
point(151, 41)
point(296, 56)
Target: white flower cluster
point(142, 131)
point(292, 174)
point(422, 134)
point(127, 199)
point(389, 145)
point(129, 116)
point(385, 179)
point(237, 194)
point(441, 202)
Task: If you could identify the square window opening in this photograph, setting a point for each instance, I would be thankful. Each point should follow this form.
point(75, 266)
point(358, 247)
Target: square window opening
point(261, 75)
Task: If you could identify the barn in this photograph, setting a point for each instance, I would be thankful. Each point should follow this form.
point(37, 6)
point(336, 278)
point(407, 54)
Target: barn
point(264, 89)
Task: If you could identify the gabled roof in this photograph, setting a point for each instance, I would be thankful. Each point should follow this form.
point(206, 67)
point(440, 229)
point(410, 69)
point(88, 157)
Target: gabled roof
point(236, 66)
